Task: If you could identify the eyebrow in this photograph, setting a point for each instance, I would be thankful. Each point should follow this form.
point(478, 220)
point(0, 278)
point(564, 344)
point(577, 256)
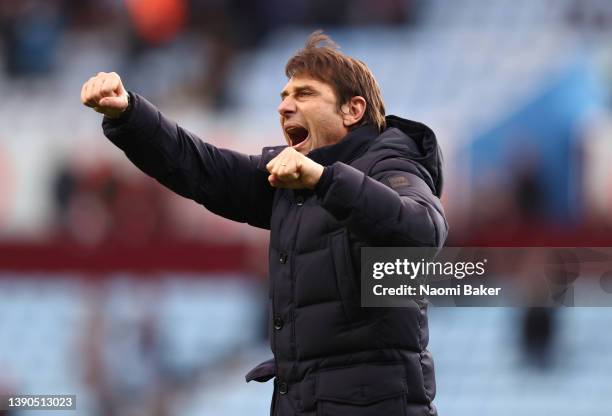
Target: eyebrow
point(285, 93)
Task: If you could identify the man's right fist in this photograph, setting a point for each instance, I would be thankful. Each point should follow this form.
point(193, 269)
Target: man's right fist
point(105, 94)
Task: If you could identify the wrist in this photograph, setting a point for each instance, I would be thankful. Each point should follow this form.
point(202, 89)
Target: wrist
point(316, 177)
point(324, 182)
point(128, 109)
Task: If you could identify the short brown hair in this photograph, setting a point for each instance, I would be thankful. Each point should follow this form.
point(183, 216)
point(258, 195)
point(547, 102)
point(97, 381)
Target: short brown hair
point(348, 77)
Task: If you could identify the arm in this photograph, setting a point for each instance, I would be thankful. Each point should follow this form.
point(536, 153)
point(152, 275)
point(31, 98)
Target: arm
point(226, 182)
point(394, 207)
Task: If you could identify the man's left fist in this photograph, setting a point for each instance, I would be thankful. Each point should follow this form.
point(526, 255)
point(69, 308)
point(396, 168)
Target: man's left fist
point(292, 170)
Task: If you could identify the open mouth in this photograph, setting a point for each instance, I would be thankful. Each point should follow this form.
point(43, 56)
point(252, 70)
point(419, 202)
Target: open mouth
point(297, 134)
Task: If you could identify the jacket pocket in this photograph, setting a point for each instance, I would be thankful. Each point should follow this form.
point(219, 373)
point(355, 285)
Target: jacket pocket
point(345, 275)
point(362, 390)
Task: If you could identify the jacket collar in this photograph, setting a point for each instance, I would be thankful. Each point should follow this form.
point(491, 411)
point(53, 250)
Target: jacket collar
point(353, 145)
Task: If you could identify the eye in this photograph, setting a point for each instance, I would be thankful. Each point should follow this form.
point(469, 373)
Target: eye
point(304, 93)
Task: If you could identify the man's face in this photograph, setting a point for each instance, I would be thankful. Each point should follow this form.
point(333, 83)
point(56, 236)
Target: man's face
point(309, 114)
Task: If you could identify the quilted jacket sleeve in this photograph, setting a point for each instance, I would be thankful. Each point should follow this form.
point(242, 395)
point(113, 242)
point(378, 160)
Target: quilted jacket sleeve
point(394, 207)
point(228, 183)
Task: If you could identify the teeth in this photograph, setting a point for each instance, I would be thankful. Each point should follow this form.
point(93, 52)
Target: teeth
point(292, 129)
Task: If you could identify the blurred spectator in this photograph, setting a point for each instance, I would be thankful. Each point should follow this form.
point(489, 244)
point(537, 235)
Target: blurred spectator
point(124, 361)
point(89, 15)
point(527, 188)
point(7, 180)
point(96, 205)
point(590, 14)
point(538, 336)
point(386, 12)
point(156, 22)
point(221, 30)
point(31, 30)
point(5, 390)
point(64, 186)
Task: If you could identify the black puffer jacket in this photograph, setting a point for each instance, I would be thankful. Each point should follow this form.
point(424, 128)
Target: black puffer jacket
point(331, 357)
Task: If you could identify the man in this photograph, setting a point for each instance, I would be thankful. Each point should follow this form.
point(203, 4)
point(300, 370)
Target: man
point(348, 178)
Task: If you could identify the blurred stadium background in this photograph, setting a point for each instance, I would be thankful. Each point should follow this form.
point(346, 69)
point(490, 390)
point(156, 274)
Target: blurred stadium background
point(141, 303)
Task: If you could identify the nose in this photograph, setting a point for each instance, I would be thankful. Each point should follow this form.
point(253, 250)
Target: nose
point(287, 106)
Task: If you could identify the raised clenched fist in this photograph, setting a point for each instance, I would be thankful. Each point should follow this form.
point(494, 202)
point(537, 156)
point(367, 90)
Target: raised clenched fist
point(105, 94)
point(292, 170)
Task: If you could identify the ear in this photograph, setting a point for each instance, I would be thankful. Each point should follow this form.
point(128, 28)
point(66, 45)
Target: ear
point(353, 111)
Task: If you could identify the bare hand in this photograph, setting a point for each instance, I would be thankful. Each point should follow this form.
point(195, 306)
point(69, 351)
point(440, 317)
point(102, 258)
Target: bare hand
point(292, 170)
point(105, 94)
